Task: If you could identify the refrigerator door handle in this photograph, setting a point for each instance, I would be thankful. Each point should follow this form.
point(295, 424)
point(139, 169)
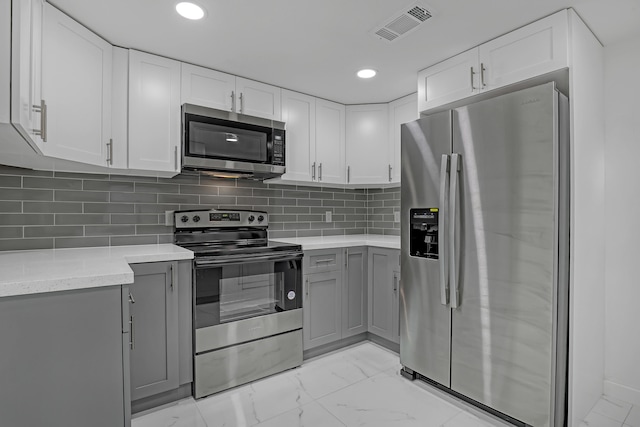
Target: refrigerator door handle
point(442, 232)
point(453, 265)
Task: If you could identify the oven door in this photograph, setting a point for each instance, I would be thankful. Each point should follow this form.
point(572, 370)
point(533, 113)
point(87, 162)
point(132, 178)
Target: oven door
point(242, 297)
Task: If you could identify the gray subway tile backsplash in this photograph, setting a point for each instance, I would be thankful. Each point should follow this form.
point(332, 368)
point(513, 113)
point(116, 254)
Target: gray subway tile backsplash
point(43, 210)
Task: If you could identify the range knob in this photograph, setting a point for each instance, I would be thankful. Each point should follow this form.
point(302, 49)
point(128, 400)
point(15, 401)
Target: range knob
point(184, 218)
point(196, 218)
point(260, 218)
point(251, 218)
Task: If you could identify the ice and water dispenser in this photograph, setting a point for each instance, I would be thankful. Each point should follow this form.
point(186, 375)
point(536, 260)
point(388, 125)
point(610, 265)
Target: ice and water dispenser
point(423, 234)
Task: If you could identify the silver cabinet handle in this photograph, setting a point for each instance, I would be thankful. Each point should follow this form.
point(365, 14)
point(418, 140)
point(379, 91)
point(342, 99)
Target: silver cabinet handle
point(171, 277)
point(348, 173)
point(453, 266)
point(313, 171)
point(442, 224)
point(233, 100)
point(110, 152)
point(132, 339)
point(395, 282)
point(241, 103)
point(318, 261)
point(131, 300)
point(320, 172)
point(482, 70)
point(389, 173)
point(472, 86)
point(42, 109)
point(307, 288)
point(175, 157)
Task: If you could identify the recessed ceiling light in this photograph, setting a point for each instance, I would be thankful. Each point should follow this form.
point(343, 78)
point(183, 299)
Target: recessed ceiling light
point(366, 73)
point(190, 10)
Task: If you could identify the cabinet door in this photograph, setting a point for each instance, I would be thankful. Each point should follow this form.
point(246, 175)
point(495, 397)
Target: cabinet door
point(76, 86)
point(26, 66)
point(354, 295)
point(381, 294)
point(258, 99)
point(322, 309)
point(401, 111)
point(117, 150)
point(299, 114)
point(330, 142)
point(367, 150)
point(208, 88)
point(450, 80)
point(154, 112)
point(538, 48)
point(154, 330)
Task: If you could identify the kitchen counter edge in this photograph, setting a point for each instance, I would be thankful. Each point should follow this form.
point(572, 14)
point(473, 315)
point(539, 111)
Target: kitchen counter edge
point(334, 242)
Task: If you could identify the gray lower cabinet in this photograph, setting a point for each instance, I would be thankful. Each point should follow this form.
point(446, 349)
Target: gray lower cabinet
point(322, 309)
point(61, 362)
point(354, 294)
point(160, 317)
point(384, 276)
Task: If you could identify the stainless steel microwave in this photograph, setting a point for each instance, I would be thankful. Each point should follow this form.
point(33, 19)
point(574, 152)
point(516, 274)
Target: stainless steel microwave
point(231, 145)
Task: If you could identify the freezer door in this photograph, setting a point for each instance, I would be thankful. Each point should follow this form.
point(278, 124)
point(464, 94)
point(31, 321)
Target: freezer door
point(502, 352)
point(424, 320)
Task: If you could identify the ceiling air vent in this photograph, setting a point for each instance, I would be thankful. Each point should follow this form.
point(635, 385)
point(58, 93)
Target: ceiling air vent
point(402, 23)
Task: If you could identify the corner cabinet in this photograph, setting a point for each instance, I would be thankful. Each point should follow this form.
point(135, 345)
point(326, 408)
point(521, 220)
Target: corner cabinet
point(533, 50)
point(367, 129)
point(76, 89)
point(384, 301)
point(66, 359)
point(354, 296)
point(154, 113)
point(160, 328)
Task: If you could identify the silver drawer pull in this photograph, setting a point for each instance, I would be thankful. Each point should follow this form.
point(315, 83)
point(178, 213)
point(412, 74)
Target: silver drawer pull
point(325, 260)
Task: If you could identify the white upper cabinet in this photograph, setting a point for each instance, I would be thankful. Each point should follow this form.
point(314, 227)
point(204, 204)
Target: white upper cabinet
point(330, 142)
point(213, 89)
point(299, 115)
point(117, 150)
point(536, 49)
point(26, 66)
point(258, 99)
point(208, 88)
point(367, 153)
point(154, 113)
point(401, 111)
point(448, 81)
point(76, 86)
point(533, 50)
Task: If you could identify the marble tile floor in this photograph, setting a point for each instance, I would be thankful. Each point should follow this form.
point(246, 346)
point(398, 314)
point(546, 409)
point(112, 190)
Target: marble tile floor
point(356, 386)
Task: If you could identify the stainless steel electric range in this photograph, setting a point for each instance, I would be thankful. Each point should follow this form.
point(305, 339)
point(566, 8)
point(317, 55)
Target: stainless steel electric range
point(247, 308)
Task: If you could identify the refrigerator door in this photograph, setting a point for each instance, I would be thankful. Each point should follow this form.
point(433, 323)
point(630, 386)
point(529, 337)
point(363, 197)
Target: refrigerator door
point(424, 320)
point(502, 350)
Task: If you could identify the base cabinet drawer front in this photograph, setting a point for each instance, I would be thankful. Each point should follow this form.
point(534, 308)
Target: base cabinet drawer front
point(61, 362)
point(323, 260)
point(322, 308)
point(153, 330)
point(354, 296)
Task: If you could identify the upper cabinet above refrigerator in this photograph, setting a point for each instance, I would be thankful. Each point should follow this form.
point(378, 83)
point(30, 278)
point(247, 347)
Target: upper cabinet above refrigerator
point(530, 51)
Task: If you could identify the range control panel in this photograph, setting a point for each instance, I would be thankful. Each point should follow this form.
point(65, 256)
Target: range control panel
point(220, 218)
point(423, 233)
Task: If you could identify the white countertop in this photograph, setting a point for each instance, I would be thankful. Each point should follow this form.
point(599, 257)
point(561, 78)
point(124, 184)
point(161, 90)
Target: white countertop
point(51, 270)
point(329, 242)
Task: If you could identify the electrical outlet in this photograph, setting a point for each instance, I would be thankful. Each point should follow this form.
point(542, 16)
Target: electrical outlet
point(396, 216)
point(169, 218)
point(327, 216)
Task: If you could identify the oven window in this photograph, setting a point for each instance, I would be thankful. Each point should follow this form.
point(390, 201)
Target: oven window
point(234, 292)
point(219, 141)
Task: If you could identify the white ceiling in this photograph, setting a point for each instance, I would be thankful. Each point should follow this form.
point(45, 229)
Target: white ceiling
point(316, 47)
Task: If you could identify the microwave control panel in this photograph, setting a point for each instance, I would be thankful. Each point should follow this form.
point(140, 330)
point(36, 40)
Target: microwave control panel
point(278, 147)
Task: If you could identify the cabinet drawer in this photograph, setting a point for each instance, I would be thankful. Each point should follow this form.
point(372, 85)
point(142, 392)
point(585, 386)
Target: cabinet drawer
point(323, 260)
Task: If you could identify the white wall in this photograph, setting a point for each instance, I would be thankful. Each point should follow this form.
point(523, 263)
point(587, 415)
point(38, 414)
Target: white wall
point(622, 214)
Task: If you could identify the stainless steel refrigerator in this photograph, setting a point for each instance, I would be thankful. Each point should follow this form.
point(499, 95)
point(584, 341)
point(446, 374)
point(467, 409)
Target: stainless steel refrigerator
point(484, 253)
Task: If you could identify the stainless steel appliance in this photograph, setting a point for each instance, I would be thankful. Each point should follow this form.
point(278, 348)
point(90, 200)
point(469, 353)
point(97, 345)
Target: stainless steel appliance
point(484, 253)
point(232, 145)
point(247, 311)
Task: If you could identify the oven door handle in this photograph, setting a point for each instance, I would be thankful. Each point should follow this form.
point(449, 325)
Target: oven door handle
point(244, 259)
